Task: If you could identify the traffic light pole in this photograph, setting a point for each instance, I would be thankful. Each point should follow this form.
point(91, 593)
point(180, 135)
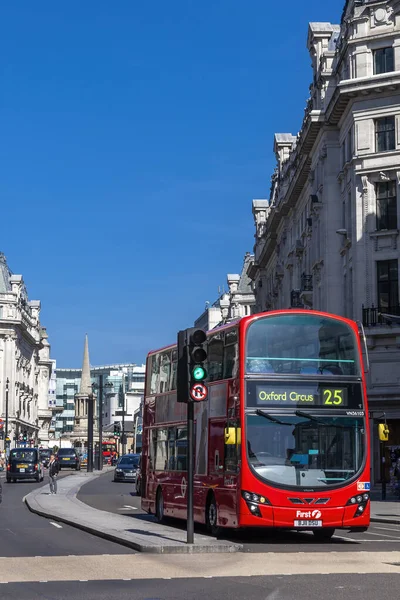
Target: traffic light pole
point(90, 435)
point(383, 469)
point(100, 453)
point(190, 470)
point(123, 441)
point(6, 442)
point(191, 373)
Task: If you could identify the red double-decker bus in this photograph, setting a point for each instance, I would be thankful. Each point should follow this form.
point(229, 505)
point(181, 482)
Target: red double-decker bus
point(109, 448)
point(283, 439)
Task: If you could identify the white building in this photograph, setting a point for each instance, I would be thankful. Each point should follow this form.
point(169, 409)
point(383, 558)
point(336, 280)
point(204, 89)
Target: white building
point(122, 384)
point(25, 364)
point(234, 304)
point(328, 237)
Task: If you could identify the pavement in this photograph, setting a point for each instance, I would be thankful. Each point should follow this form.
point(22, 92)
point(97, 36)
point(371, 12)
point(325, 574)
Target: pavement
point(384, 511)
point(144, 535)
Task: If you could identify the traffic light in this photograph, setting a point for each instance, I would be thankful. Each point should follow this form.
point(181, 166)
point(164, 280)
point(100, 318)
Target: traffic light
point(197, 339)
point(25, 436)
point(383, 431)
point(191, 372)
point(117, 430)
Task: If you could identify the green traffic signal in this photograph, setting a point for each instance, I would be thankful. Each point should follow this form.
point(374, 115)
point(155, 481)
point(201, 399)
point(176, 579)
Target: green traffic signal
point(199, 373)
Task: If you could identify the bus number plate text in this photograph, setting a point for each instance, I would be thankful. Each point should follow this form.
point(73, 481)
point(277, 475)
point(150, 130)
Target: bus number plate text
point(308, 523)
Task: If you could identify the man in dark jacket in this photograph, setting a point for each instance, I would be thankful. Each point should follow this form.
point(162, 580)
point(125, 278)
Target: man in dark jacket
point(54, 467)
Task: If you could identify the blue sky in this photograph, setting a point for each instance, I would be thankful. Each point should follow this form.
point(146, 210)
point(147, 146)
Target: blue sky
point(134, 137)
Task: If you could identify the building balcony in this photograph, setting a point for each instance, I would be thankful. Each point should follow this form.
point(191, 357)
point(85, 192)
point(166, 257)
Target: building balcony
point(383, 317)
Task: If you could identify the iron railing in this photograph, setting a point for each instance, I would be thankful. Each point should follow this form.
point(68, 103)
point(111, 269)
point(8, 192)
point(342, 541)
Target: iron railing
point(376, 315)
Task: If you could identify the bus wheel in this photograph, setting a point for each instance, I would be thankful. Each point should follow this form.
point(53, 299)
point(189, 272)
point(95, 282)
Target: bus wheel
point(160, 506)
point(323, 535)
point(212, 516)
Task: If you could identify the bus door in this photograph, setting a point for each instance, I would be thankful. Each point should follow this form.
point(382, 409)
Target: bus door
point(216, 454)
point(228, 503)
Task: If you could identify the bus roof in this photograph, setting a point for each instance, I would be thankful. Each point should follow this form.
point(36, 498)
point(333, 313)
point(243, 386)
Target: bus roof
point(211, 331)
point(260, 315)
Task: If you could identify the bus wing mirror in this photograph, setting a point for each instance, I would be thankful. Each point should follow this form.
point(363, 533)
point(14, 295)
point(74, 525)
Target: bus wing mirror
point(233, 436)
point(364, 347)
point(383, 431)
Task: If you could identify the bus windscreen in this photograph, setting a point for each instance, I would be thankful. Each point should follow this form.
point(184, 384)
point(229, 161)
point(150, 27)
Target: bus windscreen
point(301, 344)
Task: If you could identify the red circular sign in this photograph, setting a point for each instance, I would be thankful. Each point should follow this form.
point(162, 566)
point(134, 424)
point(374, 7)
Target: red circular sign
point(198, 392)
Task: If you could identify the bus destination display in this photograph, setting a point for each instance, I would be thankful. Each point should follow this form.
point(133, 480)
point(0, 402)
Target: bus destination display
point(322, 397)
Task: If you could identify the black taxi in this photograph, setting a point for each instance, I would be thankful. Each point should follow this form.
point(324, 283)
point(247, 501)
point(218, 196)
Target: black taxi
point(24, 463)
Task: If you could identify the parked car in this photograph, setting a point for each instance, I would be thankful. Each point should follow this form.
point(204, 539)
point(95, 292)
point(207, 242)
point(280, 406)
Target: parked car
point(127, 467)
point(45, 454)
point(24, 463)
point(68, 459)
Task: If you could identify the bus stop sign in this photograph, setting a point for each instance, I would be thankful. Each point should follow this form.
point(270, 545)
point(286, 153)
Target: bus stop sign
point(198, 392)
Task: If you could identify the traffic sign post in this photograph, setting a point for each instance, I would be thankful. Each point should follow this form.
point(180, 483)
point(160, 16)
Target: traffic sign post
point(191, 373)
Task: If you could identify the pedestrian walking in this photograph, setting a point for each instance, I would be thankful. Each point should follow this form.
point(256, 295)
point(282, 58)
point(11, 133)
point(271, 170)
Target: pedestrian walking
point(54, 468)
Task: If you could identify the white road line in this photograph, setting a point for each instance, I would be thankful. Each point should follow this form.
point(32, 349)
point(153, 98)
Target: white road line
point(381, 534)
point(55, 524)
point(362, 541)
point(387, 529)
point(132, 507)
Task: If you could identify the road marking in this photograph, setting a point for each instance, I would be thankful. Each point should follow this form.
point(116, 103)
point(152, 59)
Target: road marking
point(387, 529)
point(132, 507)
point(381, 534)
point(55, 524)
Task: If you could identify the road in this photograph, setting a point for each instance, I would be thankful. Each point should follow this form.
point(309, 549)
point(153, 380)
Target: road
point(24, 534)
point(369, 587)
point(120, 498)
point(42, 559)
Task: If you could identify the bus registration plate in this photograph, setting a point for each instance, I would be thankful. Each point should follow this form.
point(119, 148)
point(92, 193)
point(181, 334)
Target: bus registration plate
point(308, 523)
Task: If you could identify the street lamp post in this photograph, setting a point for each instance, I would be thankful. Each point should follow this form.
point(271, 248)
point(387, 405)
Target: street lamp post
point(6, 444)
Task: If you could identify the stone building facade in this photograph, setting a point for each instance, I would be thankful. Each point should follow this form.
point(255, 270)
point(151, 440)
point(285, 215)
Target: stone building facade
point(238, 302)
point(25, 365)
point(328, 236)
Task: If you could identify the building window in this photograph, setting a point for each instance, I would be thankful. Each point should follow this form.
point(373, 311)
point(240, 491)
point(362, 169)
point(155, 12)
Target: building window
point(383, 60)
point(388, 284)
point(385, 134)
point(386, 205)
point(215, 357)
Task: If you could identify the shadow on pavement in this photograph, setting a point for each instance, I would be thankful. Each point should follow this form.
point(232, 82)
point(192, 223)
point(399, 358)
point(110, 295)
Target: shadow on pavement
point(250, 536)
